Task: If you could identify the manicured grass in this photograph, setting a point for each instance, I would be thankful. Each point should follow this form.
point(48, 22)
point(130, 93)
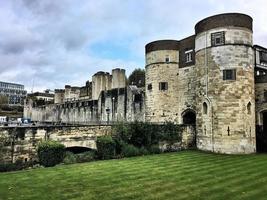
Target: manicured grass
point(182, 175)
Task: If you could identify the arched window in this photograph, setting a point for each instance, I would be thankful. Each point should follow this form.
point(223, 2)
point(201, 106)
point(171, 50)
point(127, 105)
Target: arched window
point(205, 108)
point(249, 108)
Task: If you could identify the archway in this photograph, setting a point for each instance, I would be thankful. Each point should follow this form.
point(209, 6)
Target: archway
point(77, 149)
point(261, 133)
point(189, 117)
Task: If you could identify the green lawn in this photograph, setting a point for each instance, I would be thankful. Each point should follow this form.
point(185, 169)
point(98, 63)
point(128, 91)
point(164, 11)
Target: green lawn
point(182, 175)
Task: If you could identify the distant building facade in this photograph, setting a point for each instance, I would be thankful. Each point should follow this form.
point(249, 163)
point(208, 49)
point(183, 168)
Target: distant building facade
point(15, 93)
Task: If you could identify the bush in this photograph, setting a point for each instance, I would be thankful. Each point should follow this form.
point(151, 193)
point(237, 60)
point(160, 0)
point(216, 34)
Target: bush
point(18, 165)
point(7, 167)
point(129, 150)
point(50, 153)
point(87, 156)
point(106, 147)
point(69, 158)
point(143, 151)
point(154, 149)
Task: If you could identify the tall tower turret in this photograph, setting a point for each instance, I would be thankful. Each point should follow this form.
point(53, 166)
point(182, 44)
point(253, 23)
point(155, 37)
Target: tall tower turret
point(225, 84)
point(162, 58)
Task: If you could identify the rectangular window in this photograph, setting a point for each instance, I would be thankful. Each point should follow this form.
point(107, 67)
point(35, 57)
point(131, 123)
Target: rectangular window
point(163, 86)
point(188, 55)
point(263, 57)
point(167, 59)
point(229, 74)
point(217, 38)
point(149, 86)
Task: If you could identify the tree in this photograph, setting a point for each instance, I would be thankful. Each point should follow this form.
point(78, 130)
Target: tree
point(3, 100)
point(137, 77)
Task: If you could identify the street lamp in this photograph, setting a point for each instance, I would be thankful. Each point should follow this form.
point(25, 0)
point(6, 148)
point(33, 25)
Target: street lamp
point(113, 108)
point(108, 112)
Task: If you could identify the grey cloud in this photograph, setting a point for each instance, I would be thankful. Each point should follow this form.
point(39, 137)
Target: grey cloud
point(50, 40)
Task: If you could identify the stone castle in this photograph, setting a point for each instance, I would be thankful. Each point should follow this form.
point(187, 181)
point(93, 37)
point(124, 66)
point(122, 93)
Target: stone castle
point(215, 79)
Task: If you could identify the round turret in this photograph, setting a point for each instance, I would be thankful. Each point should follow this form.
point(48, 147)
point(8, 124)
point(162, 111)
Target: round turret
point(225, 84)
point(162, 58)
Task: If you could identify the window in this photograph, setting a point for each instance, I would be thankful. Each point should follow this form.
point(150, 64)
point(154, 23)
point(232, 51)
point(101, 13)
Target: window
point(263, 57)
point(149, 86)
point(229, 74)
point(217, 38)
point(249, 108)
point(167, 59)
point(163, 86)
point(188, 55)
point(205, 108)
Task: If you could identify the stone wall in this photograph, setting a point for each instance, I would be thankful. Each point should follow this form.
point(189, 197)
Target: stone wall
point(171, 104)
point(261, 101)
point(229, 125)
point(22, 141)
point(162, 105)
point(124, 104)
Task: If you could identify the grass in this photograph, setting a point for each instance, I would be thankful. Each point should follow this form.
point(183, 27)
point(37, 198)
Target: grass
point(182, 175)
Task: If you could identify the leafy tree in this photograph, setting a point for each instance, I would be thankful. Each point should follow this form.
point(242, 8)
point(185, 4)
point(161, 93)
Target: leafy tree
point(137, 77)
point(3, 100)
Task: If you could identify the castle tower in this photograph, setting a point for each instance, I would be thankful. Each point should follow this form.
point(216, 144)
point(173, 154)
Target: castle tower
point(161, 102)
point(225, 84)
point(118, 78)
point(101, 81)
point(59, 96)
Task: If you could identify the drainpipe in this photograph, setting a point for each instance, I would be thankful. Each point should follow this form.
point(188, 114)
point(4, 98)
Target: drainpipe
point(207, 82)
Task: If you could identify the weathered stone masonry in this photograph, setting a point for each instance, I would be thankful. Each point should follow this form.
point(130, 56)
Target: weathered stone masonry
point(22, 141)
point(210, 78)
point(215, 79)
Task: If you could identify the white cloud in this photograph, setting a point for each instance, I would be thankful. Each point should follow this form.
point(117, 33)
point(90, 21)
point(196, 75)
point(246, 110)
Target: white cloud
point(51, 42)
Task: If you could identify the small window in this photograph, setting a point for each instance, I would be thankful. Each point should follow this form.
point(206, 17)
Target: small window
point(163, 86)
point(167, 59)
point(229, 74)
point(188, 56)
point(205, 108)
point(249, 108)
point(149, 86)
point(217, 39)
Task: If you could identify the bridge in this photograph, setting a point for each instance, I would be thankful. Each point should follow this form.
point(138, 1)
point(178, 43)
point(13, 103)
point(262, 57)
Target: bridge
point(21, 141)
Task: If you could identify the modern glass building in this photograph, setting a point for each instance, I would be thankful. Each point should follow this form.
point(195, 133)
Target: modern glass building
point(14, 92)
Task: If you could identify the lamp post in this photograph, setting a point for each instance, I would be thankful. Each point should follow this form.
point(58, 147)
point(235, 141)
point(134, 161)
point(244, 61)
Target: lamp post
point(108, 112)
point(113, 108)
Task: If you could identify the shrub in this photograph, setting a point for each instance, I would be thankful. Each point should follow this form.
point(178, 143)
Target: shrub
point(85, 156)
point(106, 147)
point(129, 150)
point(154, 149)
point(69, 158)
point(50, 153)
point(143, 151)
point(7, 167)
point(18, 165)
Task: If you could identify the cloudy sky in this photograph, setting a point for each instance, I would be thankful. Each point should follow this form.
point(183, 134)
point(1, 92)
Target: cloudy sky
point(50, 43)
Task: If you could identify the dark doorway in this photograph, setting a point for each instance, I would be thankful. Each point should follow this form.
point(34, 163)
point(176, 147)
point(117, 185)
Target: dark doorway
point(189, 117)
point(77, 150)
point(261, 134)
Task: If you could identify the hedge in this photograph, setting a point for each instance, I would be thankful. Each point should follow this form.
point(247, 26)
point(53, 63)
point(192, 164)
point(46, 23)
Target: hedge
point(50, 153)
point(106, 147)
